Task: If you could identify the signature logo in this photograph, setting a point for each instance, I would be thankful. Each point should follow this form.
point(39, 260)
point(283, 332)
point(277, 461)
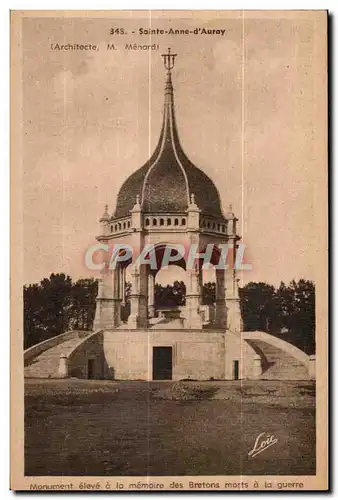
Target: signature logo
point(263, 442)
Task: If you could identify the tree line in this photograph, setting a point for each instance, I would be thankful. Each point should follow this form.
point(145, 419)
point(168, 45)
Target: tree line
point(57, 304)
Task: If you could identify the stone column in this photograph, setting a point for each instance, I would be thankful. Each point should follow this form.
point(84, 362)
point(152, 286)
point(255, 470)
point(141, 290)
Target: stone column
point(116, 301)
point(138, 317)
point(193, 292)
point(138, 298)
point(200, 284)
point(193, 298)
point(104, 317)
point(123, 285)
point(234, 317)
point(221, 309)
point(151, 295)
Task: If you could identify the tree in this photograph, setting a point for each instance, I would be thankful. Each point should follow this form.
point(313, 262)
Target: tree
point(296, 308)
point(170, 295)
point(83, 305)
point(125, 309)
point(287, 312)
point(34, 328)
point(56, 305)
point(209, 293)
point(258, 306)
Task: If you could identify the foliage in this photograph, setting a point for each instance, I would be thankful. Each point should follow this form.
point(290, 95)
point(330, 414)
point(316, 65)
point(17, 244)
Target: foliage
point(56, 305)
point(170, 295)
point(209, 293)
point(287, 312)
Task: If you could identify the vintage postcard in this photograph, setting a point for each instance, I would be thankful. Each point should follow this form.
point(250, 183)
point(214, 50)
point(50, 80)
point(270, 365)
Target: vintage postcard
point(169, 250)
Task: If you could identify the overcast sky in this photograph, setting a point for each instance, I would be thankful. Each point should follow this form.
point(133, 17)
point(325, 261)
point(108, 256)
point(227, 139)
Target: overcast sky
point(246, 114)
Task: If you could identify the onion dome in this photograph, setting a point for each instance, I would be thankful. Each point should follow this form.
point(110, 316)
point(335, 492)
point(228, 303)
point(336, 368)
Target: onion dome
point(166, 182)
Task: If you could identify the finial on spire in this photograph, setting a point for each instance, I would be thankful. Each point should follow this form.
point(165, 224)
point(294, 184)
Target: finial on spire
point(105, 215)
point(192, 198)
point(230, 214)
point(137, 199)
point(169, 60)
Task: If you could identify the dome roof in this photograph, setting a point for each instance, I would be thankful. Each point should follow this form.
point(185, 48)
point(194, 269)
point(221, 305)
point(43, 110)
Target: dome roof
point(166, 182)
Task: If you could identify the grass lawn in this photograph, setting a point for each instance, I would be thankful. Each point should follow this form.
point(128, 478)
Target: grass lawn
point(82, 427)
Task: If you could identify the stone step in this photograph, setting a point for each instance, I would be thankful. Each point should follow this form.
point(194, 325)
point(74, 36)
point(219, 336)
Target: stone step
point(46, 364)
point(282, 366)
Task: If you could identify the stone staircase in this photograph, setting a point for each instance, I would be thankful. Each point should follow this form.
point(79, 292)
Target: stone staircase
point(46, 364)
point(279, 365)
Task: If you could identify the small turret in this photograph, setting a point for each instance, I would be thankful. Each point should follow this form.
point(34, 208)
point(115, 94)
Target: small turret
point(104, 222)
point(230, 216)
point(193, 214)
point(136, 214)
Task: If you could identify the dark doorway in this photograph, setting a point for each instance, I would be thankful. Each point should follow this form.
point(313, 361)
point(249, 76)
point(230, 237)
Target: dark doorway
point(91, 371)
point(162, 363)
point(236, 370)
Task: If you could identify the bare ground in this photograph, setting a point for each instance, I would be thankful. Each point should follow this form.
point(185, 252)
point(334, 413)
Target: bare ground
point(82, 427)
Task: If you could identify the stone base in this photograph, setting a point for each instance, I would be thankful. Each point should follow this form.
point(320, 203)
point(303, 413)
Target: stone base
point(193, 319)
point(196, 354)
point(107, 314)
point(138, 311)
point(234, 318)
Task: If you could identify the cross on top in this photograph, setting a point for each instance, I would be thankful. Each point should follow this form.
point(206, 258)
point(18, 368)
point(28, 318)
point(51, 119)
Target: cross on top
point(169, 60)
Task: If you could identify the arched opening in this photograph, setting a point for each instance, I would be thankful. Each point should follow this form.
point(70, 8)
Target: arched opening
point(147, 222)
point(161, 222)
point(154, 222)
point(183, 222)
point(176, 222)
point(126, 291)
point(166, 285)
point(208, 284)
point(169, 222)
point(170, 293)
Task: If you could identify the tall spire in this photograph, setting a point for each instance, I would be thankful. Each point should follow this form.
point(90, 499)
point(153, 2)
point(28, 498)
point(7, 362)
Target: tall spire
point(169, 63)
point(167, 179)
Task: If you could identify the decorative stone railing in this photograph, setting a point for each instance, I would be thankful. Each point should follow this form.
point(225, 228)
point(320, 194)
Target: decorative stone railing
point(120, 225)
point(169, 221)
point(214, 226)
point(34, 351)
